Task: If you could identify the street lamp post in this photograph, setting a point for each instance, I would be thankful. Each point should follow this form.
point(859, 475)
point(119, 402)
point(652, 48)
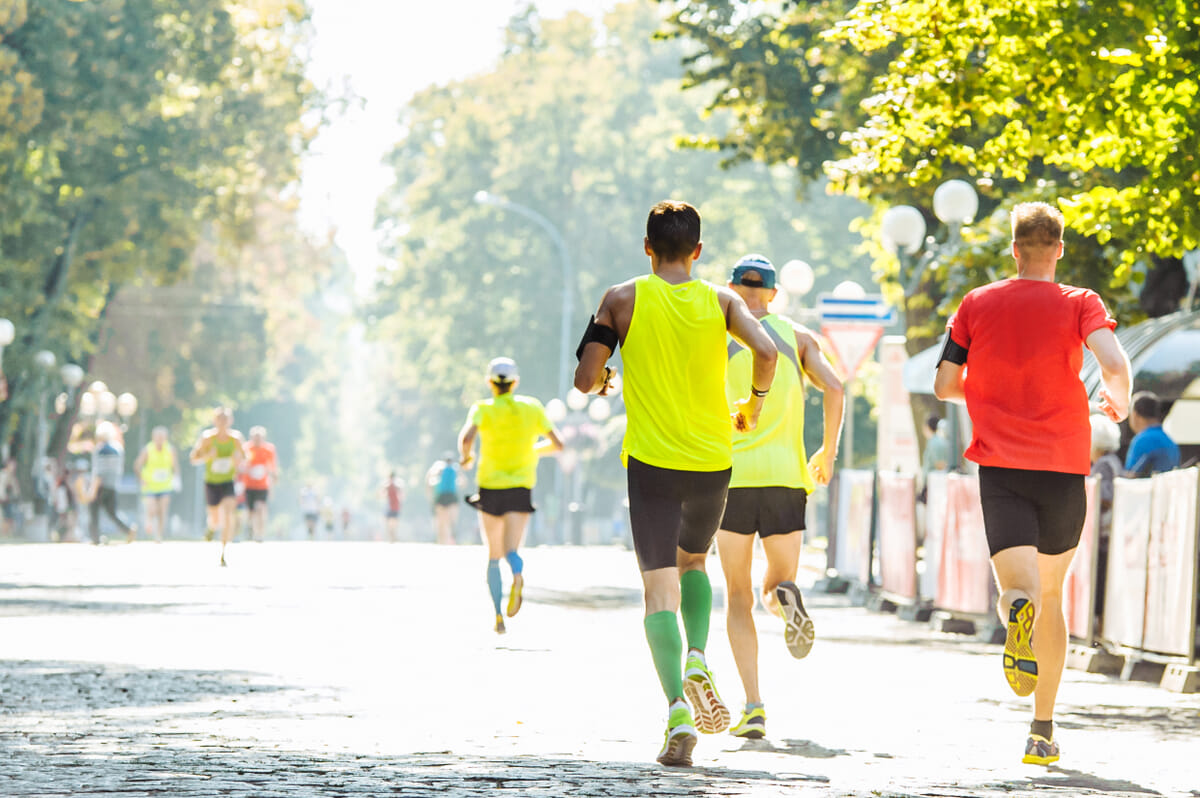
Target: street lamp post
point(564, 257)
point(568, 271)
point(580, 416)
point(902, 232)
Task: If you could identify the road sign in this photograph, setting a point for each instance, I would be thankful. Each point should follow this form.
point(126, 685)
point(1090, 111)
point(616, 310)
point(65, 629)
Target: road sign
point(869, 309)
point(852, 343)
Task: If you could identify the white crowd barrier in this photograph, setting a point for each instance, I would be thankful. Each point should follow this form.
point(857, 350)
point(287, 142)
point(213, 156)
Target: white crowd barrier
point(1079, 591)
point(851, 542)
point(897, 536)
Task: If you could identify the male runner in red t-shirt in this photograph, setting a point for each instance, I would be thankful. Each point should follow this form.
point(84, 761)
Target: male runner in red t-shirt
point(261, 471)
point(1013, 354)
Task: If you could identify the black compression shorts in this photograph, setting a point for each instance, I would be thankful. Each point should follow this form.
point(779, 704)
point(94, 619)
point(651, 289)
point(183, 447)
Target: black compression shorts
point(1032, 508)
point(501, 501)
point(217, 492)
point(671, 510)
point(767, 511)
point(256, 496)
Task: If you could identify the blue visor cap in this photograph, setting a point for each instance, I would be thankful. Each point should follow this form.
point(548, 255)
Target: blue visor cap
point(754, 263)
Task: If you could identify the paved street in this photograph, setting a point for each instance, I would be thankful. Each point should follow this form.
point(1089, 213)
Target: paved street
point(366, 669)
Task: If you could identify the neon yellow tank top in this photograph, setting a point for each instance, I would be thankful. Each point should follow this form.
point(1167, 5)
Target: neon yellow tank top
point(158, 472)
point(771, 455)
point(674, 356)
point(509, 427)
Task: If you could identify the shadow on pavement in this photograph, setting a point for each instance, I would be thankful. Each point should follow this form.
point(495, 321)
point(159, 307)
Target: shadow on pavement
point(59, 606)
point(1063, 778)
point(592, 598)
point(803, 748)
point(1166, 722)
point(39, 687)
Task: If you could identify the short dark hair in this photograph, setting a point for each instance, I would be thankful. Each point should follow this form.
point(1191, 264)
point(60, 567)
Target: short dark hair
point(673, 229)
point(931, 421)
point(1147, 405)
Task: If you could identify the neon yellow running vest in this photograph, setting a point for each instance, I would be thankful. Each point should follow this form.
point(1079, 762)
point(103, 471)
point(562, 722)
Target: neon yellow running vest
point(772, 454)
point(674, 356)
point(220, 468)
point(158, 472)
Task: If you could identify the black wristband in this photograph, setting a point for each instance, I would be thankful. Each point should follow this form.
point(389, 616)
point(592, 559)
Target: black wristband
point(757, 392)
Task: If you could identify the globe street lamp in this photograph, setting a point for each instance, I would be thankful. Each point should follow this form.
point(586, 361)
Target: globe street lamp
point(902, 231)
point(7, 333)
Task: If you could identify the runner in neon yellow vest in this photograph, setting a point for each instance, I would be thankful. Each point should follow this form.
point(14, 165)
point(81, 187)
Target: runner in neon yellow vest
point(772, 478)
point(221, 450)
point(157, 467)
point(671, 329)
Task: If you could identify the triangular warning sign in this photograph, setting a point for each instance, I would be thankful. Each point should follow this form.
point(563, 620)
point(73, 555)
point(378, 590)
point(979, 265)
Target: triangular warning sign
point(852, 344)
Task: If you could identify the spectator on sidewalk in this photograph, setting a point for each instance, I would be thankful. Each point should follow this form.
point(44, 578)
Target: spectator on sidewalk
point(936, 456)
point(1151, 451)
point(10, 498)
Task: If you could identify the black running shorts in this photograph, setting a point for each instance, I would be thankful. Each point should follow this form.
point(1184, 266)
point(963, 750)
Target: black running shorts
point(217, 492)
point(255, 497)
point(671, 510)
point(1032, 508)
point(505, 500)
point(767, 511)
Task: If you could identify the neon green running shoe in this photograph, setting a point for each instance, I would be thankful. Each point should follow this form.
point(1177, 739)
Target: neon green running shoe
point(680, 739)
point(1040, 751)
point(752, 726)
point(712, 715)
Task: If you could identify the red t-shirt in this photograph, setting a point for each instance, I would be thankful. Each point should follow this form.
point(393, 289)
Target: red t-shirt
point(1024, 342)
point(260, 461)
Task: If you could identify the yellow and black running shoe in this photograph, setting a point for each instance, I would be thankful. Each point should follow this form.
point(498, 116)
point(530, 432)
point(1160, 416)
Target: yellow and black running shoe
point(752, 726)
point(1020, 666)
point(1040, 751)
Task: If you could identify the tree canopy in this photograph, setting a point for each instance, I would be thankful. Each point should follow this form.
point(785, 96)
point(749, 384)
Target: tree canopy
point(579, 121)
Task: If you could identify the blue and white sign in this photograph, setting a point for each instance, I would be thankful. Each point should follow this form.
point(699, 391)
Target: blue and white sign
point(869, 309)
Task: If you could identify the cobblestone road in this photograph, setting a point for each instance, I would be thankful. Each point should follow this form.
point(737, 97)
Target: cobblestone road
point(364, 669)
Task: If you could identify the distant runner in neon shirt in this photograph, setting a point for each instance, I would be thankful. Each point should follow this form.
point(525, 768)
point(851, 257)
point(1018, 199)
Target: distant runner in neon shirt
point(157, 467)
point(513, 433)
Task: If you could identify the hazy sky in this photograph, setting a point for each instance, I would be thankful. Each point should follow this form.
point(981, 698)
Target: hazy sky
point(386, 51)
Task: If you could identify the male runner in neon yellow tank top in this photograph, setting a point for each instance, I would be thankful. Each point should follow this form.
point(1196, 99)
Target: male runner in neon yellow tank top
point(157, 467)
point(513, 433)
point(221, 449)
point(678, 446)
point(771, 481)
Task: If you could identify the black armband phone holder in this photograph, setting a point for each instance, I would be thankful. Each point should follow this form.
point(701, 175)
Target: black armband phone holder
point(953, 352)
point(597, 334)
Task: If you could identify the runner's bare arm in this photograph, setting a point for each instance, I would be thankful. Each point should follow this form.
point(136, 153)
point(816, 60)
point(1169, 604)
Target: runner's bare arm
point(140, 462)
point(616, 309)
point(748, 332)
point(200, 450)
point(819, 370)
point(948, 383)
point(550, 444)
point(466, 439)
point(1114, 372)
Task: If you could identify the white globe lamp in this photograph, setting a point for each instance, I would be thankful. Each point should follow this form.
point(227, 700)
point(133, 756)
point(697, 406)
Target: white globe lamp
point(106, 403)
point(577, 399)
point(556, 411)
point(72, 375)
point(796, 277)
point(599, 410)
point(955, 202)
point(127, 405)
point(45, 360)
point(7, 332)
point(848, 289)
point(902, 228)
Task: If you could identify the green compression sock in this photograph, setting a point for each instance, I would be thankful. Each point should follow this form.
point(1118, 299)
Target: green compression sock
point(666, 647)
point(695, 604)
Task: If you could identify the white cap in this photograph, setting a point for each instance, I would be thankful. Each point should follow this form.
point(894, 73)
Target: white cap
point(502, 369)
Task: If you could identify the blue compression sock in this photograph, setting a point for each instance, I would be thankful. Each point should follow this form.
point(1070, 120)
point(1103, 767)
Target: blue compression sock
point(515, 562)
point(494, 582)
